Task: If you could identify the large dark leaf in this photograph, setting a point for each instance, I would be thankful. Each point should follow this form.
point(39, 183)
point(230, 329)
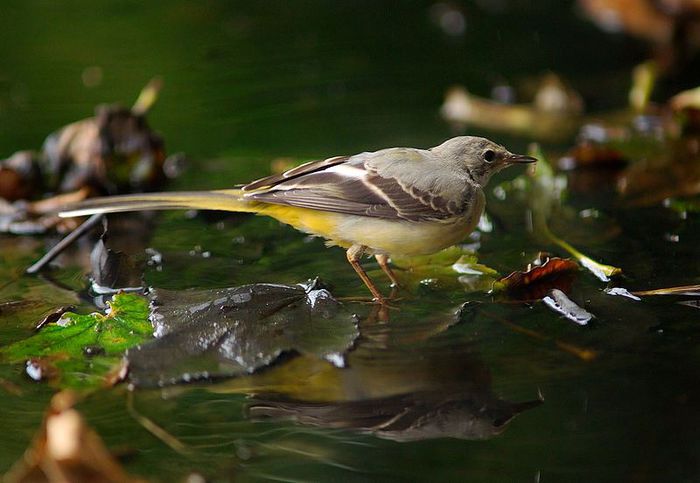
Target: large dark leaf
point(233, 331)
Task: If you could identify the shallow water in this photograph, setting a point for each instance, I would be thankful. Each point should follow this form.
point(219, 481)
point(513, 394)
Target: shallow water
point(245, 84)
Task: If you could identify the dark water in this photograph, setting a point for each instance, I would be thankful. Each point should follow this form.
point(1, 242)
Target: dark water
point(249, 82)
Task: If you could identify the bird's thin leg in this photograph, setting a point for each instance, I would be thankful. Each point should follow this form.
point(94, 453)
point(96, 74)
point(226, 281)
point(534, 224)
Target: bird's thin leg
point(354, 253)
point(383, 261)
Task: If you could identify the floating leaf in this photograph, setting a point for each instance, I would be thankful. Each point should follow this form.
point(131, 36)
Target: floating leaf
point(234, 331)
point(539, 278)
point(559, 302)
point(84, 348)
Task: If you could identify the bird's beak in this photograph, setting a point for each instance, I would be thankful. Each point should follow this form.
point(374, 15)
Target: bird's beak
point(520, 158)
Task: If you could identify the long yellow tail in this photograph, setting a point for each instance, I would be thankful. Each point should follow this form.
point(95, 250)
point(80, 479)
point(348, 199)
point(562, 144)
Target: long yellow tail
point(222, 200)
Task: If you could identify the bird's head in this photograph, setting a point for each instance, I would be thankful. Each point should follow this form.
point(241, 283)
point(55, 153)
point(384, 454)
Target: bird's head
point(478, 157)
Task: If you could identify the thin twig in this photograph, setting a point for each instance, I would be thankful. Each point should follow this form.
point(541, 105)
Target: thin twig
point(171, 441)
point(65, 243)
point(582, 353)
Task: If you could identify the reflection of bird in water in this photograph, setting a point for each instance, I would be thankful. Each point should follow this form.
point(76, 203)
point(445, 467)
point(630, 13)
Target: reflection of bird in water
point(405, 417)
point(400, 201)
point(394, 386)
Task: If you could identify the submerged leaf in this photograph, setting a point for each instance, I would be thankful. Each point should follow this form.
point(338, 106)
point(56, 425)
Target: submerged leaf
point(84, 348)
point(234, 331)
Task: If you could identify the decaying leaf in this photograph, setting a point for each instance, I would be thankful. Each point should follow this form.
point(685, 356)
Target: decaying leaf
point(235, 331)
point(85, 348)
point(66, 449)
point(539, 278)
point(20, 178)
point(114, 151)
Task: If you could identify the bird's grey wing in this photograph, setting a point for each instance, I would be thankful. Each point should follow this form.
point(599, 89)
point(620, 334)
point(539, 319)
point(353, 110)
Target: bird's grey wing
point(302, 169)
point(355, 186)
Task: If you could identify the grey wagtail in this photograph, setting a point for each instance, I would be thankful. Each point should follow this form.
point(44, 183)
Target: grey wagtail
point(400, 201)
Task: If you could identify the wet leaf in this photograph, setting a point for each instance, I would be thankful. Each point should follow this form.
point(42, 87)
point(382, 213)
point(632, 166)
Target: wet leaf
point(539, 278)
point(67, 449)
point(70, 343)
point(560, 303)
point(235, 331)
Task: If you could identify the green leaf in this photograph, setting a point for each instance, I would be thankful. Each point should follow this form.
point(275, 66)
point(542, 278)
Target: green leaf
point(66, 344)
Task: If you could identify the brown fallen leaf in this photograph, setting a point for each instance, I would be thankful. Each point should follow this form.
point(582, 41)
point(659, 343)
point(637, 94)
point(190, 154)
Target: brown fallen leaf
point(536, 281)
point(589, 154)
point(19, 176)
point(66, 449)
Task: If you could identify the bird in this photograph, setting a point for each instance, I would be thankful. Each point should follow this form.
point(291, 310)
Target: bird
point(392, 202)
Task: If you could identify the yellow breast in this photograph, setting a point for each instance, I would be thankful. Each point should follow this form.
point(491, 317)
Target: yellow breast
point(379, 235)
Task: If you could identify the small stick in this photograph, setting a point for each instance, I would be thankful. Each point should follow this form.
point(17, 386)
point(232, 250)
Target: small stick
point(65, 243)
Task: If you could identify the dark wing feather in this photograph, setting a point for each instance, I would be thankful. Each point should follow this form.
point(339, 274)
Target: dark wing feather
point(302, 169)
point(357, 191)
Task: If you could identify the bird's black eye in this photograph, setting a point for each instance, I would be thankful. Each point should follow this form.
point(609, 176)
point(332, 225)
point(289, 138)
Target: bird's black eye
point(489, 155)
